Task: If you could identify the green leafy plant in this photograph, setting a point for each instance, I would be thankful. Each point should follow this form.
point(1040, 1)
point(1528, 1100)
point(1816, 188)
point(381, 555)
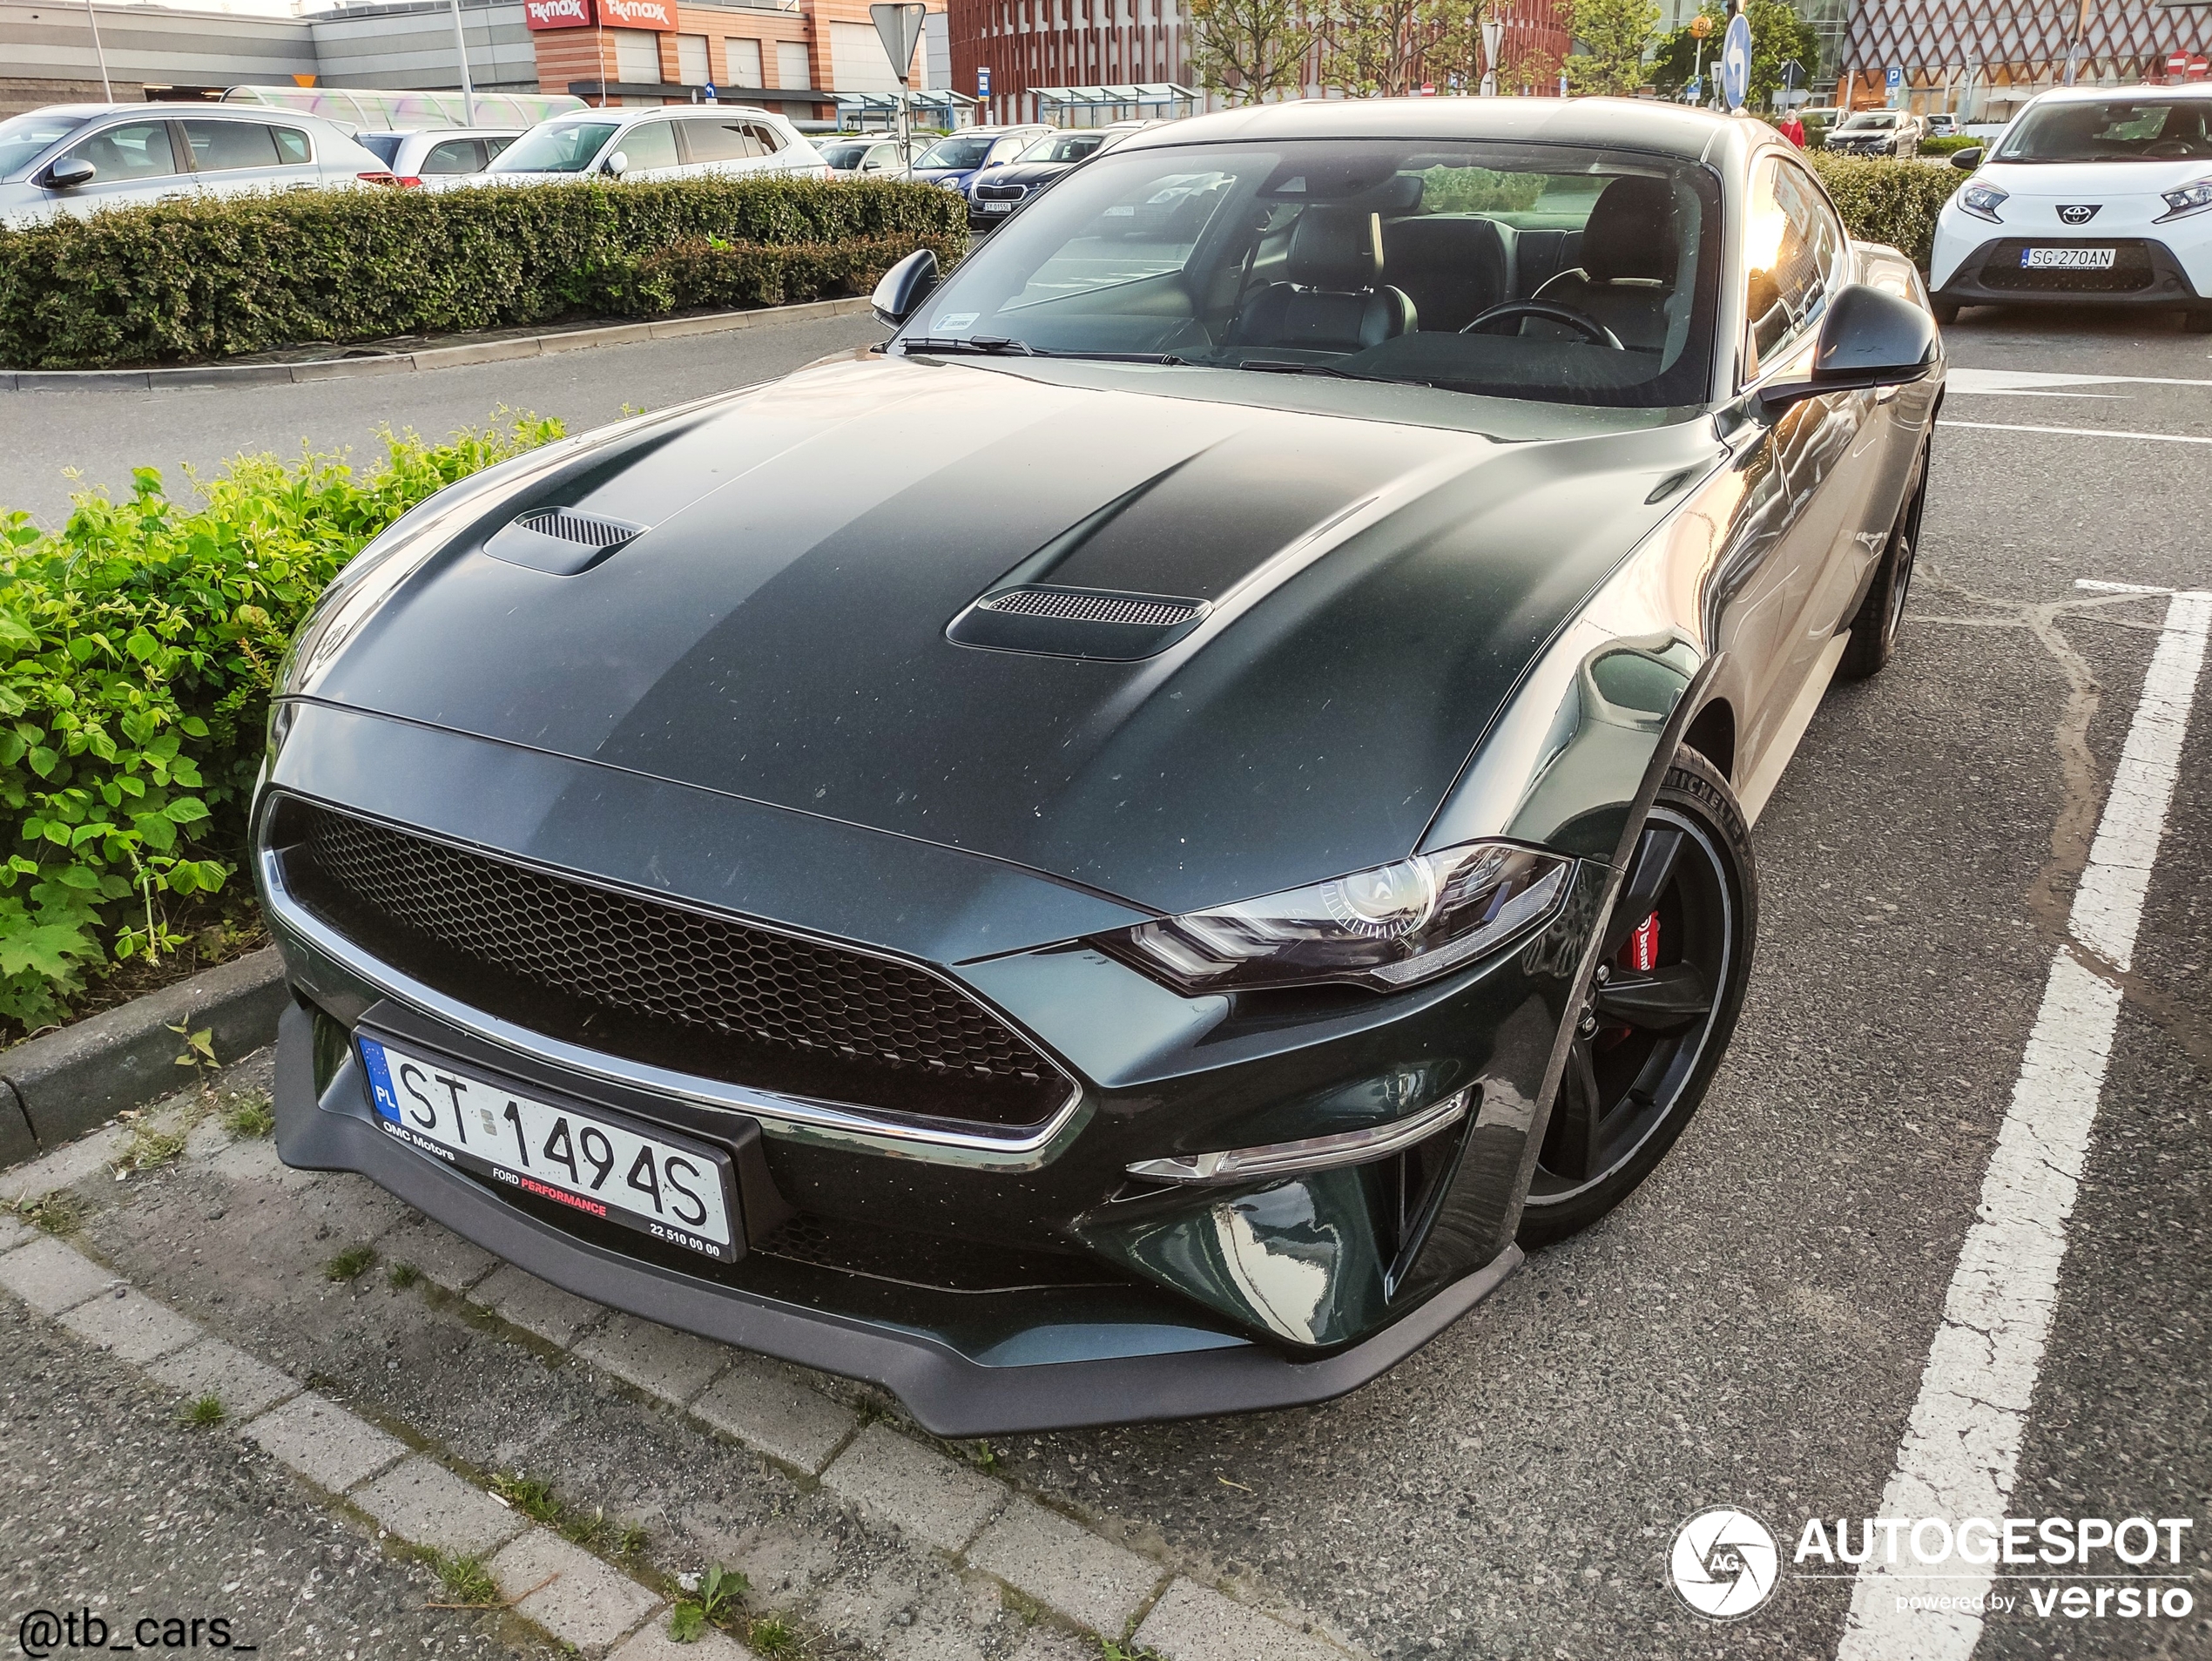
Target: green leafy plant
point(350, 1264)
point(466, 1580)
point(137, 647)
point(204, 1412)
point(250, 1114)
point(719, 1601)
point(1887, 201)
point(531, 1495)
point(211, 277)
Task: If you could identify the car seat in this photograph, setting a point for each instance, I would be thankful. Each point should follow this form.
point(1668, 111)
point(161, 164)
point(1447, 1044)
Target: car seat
point(1630, 252)
point(1334, 300)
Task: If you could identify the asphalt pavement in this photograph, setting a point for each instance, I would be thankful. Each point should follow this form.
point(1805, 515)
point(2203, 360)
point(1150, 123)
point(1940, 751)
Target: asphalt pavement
point(1751, 1328)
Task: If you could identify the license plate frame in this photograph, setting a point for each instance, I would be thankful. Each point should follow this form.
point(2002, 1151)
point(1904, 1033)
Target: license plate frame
point(2041, 258)
point(447, 1088)
point(996, 207)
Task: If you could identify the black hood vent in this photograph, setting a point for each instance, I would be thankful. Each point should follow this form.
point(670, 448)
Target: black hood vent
point(560, 541)
point(1076, 622)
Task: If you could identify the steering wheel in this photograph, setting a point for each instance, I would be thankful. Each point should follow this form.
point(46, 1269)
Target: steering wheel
point(2171, 149)
point(1551, 311)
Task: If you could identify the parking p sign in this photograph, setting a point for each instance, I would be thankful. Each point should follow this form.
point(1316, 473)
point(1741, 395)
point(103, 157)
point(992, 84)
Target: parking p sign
point(1893, 86)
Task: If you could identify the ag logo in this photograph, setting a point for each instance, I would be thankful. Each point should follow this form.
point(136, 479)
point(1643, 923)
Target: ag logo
point(1724, 1563)
point(2079, 212)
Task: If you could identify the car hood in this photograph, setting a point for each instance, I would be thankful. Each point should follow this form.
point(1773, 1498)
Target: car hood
point(779, 632)
point(2091, 181)
point(1026, 172)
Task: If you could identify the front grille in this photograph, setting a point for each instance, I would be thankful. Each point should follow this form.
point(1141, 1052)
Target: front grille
point(2131, 270)
point(655, 983)
point(1001, 193)
point(1093, 608)
point(578, 528)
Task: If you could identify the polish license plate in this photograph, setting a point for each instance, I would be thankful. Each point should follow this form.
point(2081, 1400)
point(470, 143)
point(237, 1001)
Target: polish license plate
point(998, 207)
point(2068, 259)
point(676, 1191)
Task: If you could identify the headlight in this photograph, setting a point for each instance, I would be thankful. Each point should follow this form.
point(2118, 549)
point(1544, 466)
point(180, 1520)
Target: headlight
point(2190, 198)
point(1388, 927)
point(1982, 200)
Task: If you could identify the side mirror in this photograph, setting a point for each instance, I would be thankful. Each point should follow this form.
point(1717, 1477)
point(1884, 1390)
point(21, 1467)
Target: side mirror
point(905, 286)
point(1868, 337)
point(70, 171)
point(618, 163)
point(1967, 159)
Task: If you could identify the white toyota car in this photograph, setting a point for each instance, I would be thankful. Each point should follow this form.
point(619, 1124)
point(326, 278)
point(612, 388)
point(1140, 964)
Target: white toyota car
point(2092, 196)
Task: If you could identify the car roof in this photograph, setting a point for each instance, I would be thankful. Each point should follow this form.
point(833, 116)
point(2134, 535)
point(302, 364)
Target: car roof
point(2133, 90)
point(1633, 124)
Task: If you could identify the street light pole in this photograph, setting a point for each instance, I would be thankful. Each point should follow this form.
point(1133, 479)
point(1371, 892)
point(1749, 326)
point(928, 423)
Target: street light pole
point(468, 89)
point(107, 88)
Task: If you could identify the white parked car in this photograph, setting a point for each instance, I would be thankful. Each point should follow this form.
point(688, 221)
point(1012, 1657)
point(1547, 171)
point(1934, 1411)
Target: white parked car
point(871, 156)
point(439, 158)
point(2093, 196)
point(666, 142)
point(79, 158)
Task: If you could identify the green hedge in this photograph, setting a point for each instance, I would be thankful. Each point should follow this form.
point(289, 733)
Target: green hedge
point(1885, 200)
point(1946, 146)
point(137, 646)
point(198, 280)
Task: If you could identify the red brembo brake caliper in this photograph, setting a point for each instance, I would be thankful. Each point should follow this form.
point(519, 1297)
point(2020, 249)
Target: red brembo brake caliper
point(1643, 950)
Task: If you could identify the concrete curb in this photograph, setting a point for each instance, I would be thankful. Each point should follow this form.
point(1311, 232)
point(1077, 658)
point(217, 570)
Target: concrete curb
point(441, 357)
point(63, 1084)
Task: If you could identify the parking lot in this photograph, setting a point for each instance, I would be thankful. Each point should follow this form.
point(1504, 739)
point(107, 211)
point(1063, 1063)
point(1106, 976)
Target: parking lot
point(1752, 1328)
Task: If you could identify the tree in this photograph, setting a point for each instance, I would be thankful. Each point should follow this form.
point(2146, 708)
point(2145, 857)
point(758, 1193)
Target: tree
point(1613, 36)
point(1452, 58)
point(1778, 34)
point(1373, 48)
point(1247, 49)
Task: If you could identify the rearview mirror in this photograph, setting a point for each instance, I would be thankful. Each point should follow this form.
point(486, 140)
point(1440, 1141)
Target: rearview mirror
point(905, 286)
point(70, 171)
point(1967, 159)
point(1868, 337)
point(618, 164)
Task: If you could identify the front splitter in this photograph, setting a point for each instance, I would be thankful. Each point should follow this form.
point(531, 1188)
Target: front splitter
point(948, 1393)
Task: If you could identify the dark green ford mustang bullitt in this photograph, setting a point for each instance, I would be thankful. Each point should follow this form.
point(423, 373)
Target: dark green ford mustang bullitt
point(1141, 902)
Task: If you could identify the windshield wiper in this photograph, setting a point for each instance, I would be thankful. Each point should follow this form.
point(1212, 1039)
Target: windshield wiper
point(1278, 366)
point(982, 345)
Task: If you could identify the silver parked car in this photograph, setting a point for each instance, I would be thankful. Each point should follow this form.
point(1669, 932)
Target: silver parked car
point(80, 158)
point(871, 155)
point(437, 157)
point(656, 144)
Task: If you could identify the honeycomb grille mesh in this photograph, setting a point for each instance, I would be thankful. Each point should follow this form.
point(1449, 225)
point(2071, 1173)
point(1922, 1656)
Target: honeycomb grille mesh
point(663, 962)
point(2130, 270)
point(1094, 608)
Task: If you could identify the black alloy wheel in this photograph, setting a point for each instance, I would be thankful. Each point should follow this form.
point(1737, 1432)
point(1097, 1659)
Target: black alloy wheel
point(1874, 630)
point(1659, 1007)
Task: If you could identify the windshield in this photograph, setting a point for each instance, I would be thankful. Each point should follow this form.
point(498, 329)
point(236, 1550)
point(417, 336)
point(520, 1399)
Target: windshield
point(565, 148)
point(844, 158)
point(1591, 273)
point(23, 137)
point(1063, 146)
point(962, 151)
point(2124, 129)
point(1873, 119)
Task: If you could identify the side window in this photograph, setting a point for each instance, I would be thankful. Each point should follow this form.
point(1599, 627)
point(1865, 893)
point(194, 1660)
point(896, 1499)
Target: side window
point(882, 157)
point(140, 150)
point(648, 145)
point(1793, 257)
point(452, 156)
point(716, 141)
point(767, 138)
point(225, 147)
point(292, 146)
point(493, 146)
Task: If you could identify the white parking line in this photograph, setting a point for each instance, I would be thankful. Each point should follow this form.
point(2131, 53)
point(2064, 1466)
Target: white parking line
point(1962, 1445)
point(2079, 432)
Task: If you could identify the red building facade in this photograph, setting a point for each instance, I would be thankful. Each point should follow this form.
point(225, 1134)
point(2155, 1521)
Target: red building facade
point(1004, 50)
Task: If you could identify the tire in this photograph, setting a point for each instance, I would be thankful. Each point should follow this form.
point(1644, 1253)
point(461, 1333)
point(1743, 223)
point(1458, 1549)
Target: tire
point(1881, 614)
point(1644, 1052)
point(1946, 311)
point(2197, 323)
